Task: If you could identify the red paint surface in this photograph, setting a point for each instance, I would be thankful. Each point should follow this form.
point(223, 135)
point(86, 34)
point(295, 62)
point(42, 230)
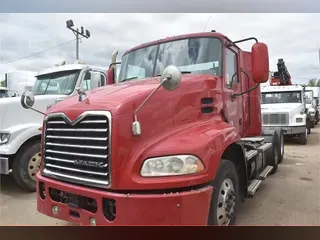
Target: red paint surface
point(184, 208)
point(251, 100)
point(172, 123)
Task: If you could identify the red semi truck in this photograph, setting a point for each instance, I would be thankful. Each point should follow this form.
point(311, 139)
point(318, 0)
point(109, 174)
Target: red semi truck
point(176, 141)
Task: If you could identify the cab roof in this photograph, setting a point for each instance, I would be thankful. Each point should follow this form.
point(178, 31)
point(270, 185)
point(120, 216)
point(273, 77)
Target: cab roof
point(67, 67)
point(281, 88)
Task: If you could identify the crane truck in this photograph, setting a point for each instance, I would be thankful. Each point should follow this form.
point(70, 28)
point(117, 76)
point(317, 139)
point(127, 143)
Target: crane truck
point(283, 106)
point(176, 141)
point(20, 129)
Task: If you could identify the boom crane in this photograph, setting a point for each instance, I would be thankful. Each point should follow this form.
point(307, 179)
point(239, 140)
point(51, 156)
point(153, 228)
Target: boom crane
point(282, 77)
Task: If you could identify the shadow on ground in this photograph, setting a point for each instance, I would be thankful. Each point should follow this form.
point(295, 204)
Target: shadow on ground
point(9, 187)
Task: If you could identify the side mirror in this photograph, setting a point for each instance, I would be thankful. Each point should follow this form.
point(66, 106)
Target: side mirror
point(95, 81)
point(260, 62)
point(171, 78)
point(27, 99)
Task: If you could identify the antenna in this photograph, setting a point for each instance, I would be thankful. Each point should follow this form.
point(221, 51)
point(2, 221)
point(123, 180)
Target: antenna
point(206, 24)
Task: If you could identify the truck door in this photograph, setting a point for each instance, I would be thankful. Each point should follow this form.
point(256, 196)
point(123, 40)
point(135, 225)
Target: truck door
point(232, 106)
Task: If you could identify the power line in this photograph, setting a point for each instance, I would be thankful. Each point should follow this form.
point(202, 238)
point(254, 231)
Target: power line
point(31, 55)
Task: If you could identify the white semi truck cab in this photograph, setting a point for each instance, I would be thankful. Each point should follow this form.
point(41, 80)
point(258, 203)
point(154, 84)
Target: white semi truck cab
point(20, 128)
point(284, 108)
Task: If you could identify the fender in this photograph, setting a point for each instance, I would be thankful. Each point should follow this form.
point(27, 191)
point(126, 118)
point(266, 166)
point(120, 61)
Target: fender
point(206, 140)
point(19, 135)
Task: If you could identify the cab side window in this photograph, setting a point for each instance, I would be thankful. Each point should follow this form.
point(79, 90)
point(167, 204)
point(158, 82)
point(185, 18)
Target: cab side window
point(231, 68)
point(86, 83)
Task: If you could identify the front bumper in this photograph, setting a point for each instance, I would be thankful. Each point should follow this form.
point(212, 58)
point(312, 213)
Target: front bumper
point(287, 130)
point(178, 208)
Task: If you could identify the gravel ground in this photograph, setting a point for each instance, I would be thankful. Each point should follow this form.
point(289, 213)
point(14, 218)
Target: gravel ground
point(289, 197)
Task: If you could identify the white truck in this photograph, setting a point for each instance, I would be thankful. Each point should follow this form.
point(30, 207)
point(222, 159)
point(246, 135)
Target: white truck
point(310, 105)
point(316, 103)
point(20, 128)
point(20, 81)
point(284, 108)
point(6, 93)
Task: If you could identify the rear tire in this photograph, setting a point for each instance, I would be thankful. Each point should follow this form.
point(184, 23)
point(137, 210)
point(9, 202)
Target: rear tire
point(272, 154)
point(25, 166)
point(225, 196)
point(303, 138)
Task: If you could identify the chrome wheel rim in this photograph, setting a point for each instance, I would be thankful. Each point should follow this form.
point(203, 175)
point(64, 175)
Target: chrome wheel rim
point(226, 203)
point(34, 165)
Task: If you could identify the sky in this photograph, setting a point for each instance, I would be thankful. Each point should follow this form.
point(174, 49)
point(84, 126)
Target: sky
point(293, 37)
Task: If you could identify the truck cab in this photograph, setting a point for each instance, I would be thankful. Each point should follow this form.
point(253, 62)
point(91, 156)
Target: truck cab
point(20, 128)
point(284, 108)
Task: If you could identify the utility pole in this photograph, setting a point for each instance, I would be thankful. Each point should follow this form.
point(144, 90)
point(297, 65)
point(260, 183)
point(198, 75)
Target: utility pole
point(77, 34)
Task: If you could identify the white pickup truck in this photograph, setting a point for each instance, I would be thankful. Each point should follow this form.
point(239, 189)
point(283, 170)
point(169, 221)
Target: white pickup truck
point(284, 108)
point(20, 128)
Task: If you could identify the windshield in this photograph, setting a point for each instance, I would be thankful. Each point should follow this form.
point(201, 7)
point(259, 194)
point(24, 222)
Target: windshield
point(56, 83)
point(194, 55)
point(4, 93)
point(281, 97)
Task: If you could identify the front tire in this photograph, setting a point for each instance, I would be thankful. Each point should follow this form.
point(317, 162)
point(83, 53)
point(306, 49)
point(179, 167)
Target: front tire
point(303, 138)
point(281, 147)
point(308, 127)
point(26, 165)
point(225, 196)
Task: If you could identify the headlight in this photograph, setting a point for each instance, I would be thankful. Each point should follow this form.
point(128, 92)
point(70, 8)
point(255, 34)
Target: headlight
point(171, 166)
point(299, 120)
point(4, 138)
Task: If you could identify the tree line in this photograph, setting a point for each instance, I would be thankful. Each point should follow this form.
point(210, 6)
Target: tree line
point(313, 83)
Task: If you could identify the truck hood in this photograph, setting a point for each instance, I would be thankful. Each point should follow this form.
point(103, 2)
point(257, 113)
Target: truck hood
point(281, 107)
point(12, 113)
point(125, 98)
point(117, 98)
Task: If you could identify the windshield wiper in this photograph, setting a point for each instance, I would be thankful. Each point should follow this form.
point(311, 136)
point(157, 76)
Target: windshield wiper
point(127, 79)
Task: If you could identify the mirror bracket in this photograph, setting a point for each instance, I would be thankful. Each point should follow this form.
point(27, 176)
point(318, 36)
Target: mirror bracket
point(170, 80)
point(136, 126)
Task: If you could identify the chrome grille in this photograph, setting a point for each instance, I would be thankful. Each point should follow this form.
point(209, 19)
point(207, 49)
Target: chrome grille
point(275, 118)
point(78, 151)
